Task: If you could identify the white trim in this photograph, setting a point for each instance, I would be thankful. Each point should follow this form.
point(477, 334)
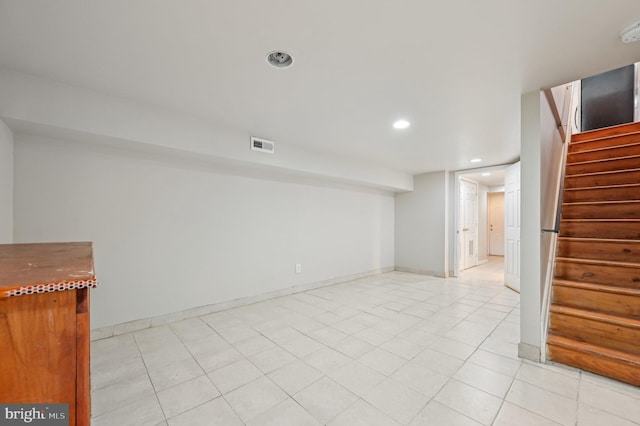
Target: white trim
point(551, 261)
point(517, 290)
point(418, 271)
point(636, 95)
point(475, 240)
point(530, 352)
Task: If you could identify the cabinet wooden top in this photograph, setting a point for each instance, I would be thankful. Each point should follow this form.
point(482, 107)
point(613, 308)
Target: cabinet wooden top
point(43, 267)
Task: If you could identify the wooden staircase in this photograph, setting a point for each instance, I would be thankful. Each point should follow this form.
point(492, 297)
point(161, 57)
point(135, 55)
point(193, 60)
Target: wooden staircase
point(594, 319)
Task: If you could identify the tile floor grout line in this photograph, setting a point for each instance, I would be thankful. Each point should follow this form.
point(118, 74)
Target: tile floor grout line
point(578, 397)
point(504, 398)
point(536, 386)
point(146, 367)
point(264, 375)
point(296, 401)
point(452, 377)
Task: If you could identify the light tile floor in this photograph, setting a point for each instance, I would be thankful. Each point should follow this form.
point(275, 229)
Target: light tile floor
point(394, 349)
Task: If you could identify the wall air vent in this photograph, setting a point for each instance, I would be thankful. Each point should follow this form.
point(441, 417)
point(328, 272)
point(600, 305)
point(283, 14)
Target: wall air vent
point(262, 145)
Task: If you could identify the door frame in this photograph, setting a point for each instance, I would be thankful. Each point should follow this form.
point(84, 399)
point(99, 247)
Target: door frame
point(456, 202)
point(512, 280)
point(460, 254)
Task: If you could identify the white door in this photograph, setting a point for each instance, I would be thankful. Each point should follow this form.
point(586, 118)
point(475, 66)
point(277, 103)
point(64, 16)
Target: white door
point(468, 224)
point(495, 207)
point(512, 229)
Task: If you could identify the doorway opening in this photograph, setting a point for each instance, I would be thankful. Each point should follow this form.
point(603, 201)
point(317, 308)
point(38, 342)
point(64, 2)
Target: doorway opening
point(491, 270)
point(480, 226)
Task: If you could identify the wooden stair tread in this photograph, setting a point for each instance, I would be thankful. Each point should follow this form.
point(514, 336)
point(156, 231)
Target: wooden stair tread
point(599, 138)
point(614, 228)
point(604, 160)
point(591, 188)
point(596, 316)
point(597, 262)
point(605, 137)
point(604, 148)
point(614, 152)
point(612, 131)
point(605, 141)
point(557, 340)
point(617, 130)
point(597, 287)
point(591, 163)
point(606, 172)
point(601, 240)
point(600, 220)
point(590, 194)
point(623, 302)
point(602, 202)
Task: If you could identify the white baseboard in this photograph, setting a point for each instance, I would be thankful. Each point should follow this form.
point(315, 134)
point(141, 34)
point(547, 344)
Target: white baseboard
point(419, 271)
point(128, 327)
point(530, 352)
point(517, 290)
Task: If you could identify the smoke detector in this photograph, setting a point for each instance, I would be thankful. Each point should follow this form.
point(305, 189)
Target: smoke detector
point(631, 34)
point(279, 59)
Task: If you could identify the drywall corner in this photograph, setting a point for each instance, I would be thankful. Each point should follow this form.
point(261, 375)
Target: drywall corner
point(421, 225)
point(6, 184)
point(530, 284)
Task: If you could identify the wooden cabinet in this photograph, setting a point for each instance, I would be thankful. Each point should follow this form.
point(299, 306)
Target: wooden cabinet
point(44, 325)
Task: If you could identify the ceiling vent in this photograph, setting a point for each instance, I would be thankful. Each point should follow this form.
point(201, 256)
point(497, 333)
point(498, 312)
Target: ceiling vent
point(631, 34)
point(262, 145)
point(279, 59)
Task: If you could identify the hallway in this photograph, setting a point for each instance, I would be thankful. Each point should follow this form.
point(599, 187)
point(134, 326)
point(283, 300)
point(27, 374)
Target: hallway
point(492, 270)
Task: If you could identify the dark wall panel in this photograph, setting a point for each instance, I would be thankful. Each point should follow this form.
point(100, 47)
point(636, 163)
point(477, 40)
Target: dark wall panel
point(607, 98)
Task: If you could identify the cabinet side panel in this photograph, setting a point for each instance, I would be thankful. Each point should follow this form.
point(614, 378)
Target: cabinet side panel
point(38, 349)
point(83, 391)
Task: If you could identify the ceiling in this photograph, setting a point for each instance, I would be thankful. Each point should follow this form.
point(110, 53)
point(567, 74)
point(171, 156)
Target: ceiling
point(488, 178)
point(454, 69)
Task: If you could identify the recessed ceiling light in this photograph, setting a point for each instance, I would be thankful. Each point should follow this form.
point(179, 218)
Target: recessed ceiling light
point(279, 59)
point(486, 174)
point(476, 160)
point(401, 124)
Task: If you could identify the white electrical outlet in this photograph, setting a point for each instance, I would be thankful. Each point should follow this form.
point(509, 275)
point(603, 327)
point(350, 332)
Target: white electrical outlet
point(298, 268)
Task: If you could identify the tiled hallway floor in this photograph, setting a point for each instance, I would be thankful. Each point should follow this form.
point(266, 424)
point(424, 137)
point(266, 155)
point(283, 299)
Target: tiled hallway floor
point(394, 349)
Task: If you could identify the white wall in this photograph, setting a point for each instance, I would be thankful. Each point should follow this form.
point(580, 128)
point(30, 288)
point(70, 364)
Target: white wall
point(53, 109)
point(169, 236)
point(6, 184)
point(530, 243)
point(421, 226)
